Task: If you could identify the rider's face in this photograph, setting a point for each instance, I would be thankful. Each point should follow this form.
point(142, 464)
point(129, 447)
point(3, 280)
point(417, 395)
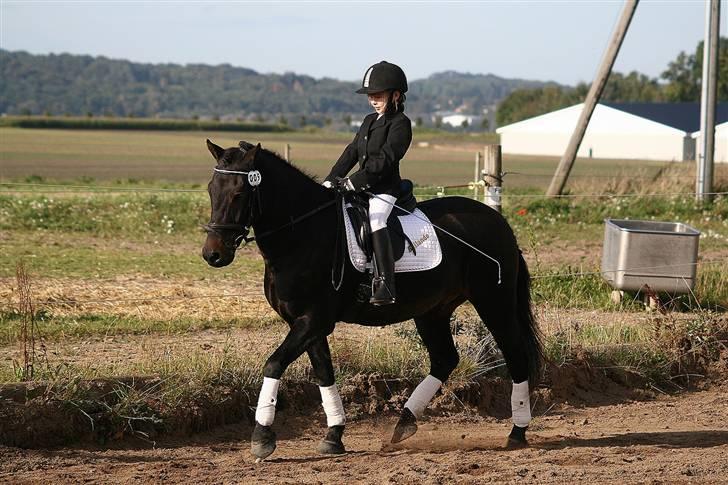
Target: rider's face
point(379, 101)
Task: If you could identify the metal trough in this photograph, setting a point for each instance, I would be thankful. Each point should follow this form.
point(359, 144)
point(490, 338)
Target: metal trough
point(661, 255)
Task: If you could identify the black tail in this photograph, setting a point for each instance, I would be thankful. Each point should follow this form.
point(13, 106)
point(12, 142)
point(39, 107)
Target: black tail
point(529, 328)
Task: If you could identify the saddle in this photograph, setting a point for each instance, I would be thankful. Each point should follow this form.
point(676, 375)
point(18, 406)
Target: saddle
point(357, 209)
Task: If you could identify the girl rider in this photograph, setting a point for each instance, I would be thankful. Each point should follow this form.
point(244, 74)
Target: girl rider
point(379, 145)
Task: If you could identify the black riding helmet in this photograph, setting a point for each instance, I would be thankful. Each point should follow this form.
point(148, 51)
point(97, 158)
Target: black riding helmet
point(383, 76)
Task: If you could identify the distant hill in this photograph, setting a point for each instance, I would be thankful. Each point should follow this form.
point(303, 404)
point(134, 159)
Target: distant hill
point(80, 85)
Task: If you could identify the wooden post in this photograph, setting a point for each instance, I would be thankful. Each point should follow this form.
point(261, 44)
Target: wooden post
point(476, 176)
point(592, 98)
point(493, 175)
point(287, 153)
point(704, 178)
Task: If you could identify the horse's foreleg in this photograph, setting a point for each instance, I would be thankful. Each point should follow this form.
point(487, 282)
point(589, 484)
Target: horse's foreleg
point(302, 334)
point(323, 369)
point(435, 334)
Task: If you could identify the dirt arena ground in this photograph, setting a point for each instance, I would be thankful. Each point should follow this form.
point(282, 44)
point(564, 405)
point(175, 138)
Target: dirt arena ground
point(621, 443)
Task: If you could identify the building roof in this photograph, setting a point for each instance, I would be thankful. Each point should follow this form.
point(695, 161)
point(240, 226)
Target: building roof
point(683, 116)
point(622, 117)
point(605, 120)
point(720, 130)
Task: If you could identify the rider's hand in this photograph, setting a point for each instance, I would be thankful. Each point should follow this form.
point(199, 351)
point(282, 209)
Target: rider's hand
point(344, 185)
point(328, 184)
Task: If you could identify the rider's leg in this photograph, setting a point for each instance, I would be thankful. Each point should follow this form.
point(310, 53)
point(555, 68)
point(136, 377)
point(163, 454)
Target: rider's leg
point(380, 207)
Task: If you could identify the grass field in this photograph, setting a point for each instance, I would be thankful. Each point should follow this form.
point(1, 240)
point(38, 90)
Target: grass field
point(119, 287)
point(182, 157)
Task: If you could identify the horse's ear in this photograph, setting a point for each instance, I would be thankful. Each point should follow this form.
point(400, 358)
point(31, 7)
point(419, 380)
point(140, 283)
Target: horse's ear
point(252, 154)
point(215, 150)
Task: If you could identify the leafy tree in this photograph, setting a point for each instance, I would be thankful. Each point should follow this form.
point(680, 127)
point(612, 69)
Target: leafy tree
point(81, 84)
point(684, 74)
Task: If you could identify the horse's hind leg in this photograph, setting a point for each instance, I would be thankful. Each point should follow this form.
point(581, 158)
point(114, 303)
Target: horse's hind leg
point(500, 316)
point(434, 329)
point(323, 369)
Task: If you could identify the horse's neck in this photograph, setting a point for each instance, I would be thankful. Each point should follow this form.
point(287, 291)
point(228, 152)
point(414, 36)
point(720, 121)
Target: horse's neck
point(297, 196)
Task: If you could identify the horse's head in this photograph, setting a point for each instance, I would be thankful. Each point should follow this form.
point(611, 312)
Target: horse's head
point(233, 197)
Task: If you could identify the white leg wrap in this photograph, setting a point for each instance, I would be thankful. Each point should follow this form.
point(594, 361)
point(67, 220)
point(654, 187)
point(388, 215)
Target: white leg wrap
point(521, 404)
point(422, 395)
point(266, 410)
point(333, 407)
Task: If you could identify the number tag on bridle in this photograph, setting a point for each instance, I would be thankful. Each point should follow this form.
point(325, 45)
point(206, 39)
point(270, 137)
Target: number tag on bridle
point(254, 178)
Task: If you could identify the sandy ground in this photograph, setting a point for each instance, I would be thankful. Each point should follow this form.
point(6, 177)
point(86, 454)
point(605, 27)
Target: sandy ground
point(672, 439)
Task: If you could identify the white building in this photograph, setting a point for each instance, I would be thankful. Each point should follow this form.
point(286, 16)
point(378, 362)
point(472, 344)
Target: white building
point(721, 143)
point(456, 120)
point(643, 131)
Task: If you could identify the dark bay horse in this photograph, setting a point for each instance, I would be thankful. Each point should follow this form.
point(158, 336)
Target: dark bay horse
point(295, 221)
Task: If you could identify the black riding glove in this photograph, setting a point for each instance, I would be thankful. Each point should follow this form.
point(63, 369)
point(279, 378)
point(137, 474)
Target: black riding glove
point(344, 185)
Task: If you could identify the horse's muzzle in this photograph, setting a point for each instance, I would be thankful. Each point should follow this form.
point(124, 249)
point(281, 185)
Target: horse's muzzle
point(215, 253)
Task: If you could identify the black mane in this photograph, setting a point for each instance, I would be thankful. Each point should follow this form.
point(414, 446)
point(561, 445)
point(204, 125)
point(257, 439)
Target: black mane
point(269, 155)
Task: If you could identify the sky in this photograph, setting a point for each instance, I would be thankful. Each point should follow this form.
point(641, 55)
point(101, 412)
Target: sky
point(538, 40)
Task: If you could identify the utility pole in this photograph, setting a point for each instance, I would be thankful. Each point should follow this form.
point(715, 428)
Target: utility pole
point(592, 98)
point(704, 176)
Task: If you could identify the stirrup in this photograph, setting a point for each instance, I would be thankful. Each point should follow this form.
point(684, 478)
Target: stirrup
point(379, 285)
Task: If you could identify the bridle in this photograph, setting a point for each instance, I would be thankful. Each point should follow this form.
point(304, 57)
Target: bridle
point(254, 179)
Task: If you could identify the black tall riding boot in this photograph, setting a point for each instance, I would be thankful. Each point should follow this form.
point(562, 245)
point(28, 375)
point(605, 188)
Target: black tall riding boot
point(383, 283)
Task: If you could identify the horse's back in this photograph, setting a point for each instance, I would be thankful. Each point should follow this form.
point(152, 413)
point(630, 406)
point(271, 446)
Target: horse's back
point(462, 211)
point(475, 223)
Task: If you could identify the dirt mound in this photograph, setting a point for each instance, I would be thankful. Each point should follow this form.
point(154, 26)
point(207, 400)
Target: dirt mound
point(103, 410)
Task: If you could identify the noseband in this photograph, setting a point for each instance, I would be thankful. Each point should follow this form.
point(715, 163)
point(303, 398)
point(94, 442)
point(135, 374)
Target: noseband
point(254, 180)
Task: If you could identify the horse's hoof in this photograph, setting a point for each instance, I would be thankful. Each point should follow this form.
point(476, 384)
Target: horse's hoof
point(332, 444)
point(263, 441)
point(517, 438)
point(406, 426)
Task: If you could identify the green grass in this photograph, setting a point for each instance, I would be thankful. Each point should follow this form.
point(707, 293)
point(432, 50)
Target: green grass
point(55, 255)
point(59, 328)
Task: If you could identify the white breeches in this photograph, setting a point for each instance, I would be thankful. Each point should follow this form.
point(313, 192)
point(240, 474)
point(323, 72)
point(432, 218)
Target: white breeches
point(379, 210)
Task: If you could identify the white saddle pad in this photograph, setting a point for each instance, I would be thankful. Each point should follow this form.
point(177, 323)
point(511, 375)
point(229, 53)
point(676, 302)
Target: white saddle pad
point(422, 235)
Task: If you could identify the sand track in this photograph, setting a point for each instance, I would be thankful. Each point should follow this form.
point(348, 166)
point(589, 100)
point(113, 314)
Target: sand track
point(680, 438)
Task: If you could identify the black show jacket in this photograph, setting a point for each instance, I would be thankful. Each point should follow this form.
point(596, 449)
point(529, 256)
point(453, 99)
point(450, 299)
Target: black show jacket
point(378, 146)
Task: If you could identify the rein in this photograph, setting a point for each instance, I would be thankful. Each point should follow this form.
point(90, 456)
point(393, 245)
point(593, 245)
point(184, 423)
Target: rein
point(254, 180)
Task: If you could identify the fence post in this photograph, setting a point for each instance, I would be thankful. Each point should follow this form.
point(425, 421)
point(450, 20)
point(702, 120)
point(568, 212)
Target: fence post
point(476, 176)
point(287, 153)
point(493, 176)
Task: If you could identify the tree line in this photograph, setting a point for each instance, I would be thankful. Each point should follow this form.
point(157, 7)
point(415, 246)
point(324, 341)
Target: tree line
point(75, 85)
point(680, 82)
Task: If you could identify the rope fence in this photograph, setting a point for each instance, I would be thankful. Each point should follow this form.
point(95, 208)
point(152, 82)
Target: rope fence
point(61, 189)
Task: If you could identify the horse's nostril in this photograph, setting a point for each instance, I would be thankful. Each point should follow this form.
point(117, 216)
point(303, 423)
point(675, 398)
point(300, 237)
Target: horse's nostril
point(214, 257)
